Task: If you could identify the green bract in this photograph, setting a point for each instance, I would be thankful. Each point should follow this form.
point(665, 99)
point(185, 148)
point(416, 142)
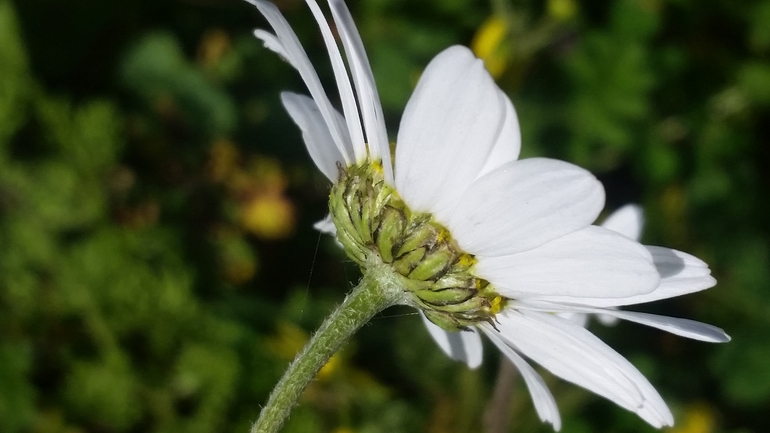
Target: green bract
point(376, 227)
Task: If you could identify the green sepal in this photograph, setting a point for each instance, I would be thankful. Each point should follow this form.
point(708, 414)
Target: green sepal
point(389, 232)
point(444, 321)
point(352, 248)
point(476, 303)
point(445, 297)
point(340, 215)
point(404, 264)
point(455, 279)
point(423, 235)
point(355, 203)
point(433, 264)
point(365, 221)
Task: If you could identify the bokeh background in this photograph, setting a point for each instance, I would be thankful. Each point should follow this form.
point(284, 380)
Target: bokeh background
point(158, 269)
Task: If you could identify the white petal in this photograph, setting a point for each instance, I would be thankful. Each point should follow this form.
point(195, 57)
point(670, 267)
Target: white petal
point(524, 204)
point(286, 44)
point(681, 274)
point(574, 354)
point(315, 132)
point(591, 263)
point(607, 320)
point(363, 78)
point(349, 106)
point(580, 319)
point(274, 44)
point(447, 131)
point(508, 144)
point(682, 327)
point(326, 226)
point(545, 405)
point(628, 221)
point(464, 346)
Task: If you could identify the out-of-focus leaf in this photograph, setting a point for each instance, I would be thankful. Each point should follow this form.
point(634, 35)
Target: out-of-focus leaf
point(157, 70)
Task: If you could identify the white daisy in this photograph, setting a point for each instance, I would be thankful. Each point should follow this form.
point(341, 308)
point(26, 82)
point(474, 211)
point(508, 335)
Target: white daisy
point(479, 240)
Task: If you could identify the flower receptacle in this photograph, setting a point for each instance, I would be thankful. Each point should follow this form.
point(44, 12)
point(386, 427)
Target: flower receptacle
point(377, 228)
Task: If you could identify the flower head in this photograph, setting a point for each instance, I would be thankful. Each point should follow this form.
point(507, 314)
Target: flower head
point(478, 239)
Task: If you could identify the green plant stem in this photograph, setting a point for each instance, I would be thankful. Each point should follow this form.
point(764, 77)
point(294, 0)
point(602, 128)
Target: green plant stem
point(377, 290)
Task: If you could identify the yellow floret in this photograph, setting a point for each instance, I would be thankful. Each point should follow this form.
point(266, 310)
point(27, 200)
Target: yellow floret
point(497, 304)
point(466, 260)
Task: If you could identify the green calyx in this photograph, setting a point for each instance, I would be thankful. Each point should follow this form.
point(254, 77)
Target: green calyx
point(376, 227)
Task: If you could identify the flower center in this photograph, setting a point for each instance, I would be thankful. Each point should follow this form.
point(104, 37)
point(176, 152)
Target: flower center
point(376, 227)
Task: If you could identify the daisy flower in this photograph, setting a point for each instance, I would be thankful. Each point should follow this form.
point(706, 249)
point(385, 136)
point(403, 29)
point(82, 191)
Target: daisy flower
point(477, 240)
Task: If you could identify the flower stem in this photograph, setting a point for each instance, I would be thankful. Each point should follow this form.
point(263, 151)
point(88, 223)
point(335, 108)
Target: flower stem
point(376, 291)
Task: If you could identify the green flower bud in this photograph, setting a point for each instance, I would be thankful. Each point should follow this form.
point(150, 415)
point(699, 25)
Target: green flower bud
point(376, 227)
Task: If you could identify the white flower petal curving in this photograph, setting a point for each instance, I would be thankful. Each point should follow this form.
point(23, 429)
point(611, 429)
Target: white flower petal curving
point(508, 144)
point(628, 221)
point(272, 43)
point(580, 319)
point(447, 131)
point(574, 354)
point(349, 105)
point(680, 274)
point(286, 44)
point(590, 263)
point(545, 405)
point(463, 346)
point(326, 226)
point(523, 204)
point(682, 327)
point(366, 89)
point(315, 132)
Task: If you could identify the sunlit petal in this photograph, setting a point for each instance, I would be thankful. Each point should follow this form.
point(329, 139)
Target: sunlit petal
point(508, 144)
point(680, 274)
point(574, 354)
point(592, 262)
point(447, 131)
point(524, 204)
point(628, 221)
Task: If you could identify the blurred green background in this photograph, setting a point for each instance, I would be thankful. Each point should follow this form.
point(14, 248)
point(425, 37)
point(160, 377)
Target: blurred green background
point(158, 269)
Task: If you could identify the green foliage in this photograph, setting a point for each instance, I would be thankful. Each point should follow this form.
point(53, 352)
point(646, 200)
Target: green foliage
point(156, 69)
point(139, 292)
point(15, 85)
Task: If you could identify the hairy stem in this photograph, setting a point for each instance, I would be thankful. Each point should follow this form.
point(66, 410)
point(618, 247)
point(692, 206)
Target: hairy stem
point(376, 291)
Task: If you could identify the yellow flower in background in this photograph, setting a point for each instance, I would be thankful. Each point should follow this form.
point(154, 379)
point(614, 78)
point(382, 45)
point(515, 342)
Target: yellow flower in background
point(697, 419)
point(269, 216)
point(265, 211)
point(489, 45)
point(262, 207)
point(562, 10)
